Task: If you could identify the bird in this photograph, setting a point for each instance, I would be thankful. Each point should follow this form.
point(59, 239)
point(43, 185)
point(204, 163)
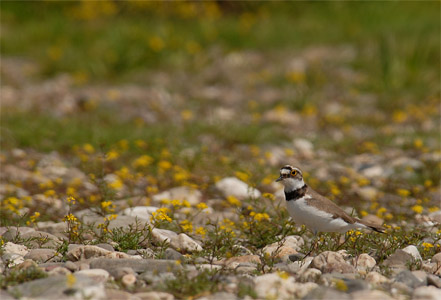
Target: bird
point(316, 212)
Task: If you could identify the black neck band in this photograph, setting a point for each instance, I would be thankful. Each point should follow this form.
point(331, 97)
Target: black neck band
point(296, 194)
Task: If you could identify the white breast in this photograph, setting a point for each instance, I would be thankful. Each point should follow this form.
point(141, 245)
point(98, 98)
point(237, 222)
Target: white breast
point(315, 219)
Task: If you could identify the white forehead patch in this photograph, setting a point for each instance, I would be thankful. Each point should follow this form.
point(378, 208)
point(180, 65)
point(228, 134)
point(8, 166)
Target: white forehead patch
point(285, 171)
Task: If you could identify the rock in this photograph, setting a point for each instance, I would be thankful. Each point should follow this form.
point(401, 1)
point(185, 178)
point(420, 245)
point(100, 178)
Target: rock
point(106, 246)
point(376, 278)
point(12, 259)
point(154, 278)
point(232, 186)
point(433, 280)
point(303, 289)
point(426, 293)
point(406, 277)
point(154, 296)
point(289, 245)
point(11, 248)
point(220, 296)
point(364, 262)
point(413, 250)
point(41, 239)
point(193, 196)
point(59, 271)
point(329, 262)
point(138, 265)
point(98, 275)
point(310, 275)
point(421, 275)
point(187, 244)
point(28, 263)
point(373, 219)
point(90, 251)
point(435, 216)
point(71, 266)
point(437, 258)
point(128, 280)
point(343, 282)
point(4, 295)
point(367, 193)
point(141, 212)
point(237, 261)
point(57, 287)
point(118, 273)
point(304, 147)
point(172, 254)
point(324, 293)
point(398, 259)
point(57, 229)
point(273, 286)
point(112, 294)
point(180, 242)
point(42, 255)
point(370, 294)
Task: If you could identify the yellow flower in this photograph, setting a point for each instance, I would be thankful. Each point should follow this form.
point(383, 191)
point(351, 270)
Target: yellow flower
point(399, 116)
point(116, 185)
point(164, 165)
point(70, 218)
point(142, 161)
point(283, 274)
point(201, 206)
point(49, 193)
point(418, 143)
point(428, 183)
point(260, 216)
point(417, 208)
point(186, 225)
point(161, 215)
point(363, 181)
point(200, 230)
point(427, 246)
point(403, 192)
point(141, 144)
point(88, 148)
point(112, 155)
point(233, 200)
point(123, 144)
point(187, 115)
point(156, 43)
point(269, 196)
point(242, 176)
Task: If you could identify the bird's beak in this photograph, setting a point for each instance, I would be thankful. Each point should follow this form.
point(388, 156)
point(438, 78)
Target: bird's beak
point(279, 179)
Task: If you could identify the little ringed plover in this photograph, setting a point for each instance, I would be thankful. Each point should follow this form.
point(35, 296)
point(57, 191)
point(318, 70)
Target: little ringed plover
point(311, 209)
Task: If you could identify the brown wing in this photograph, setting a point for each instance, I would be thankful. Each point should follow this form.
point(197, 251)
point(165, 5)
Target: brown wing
point(327, 205)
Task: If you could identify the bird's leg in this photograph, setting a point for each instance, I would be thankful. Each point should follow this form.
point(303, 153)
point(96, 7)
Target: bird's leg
point(314, 245)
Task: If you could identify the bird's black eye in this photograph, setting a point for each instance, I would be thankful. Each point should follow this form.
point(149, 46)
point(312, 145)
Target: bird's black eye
point(294, 172)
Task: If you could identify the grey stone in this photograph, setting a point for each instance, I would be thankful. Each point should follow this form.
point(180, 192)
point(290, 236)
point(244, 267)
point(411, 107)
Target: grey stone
point(413, 250)
point(409, 279)
point(398, 259)
point(172, 254)
point(232, 186)
point(220, 296)
point(138, 265)
point(118, 273)
point(57, 271)
point(71, 266)
point(376, 278)
point(193, 196)
point(324, 293)
point(364, 262)
point(426, 293)
point(370, 295)
point(42, 255)
point(12, 259)
point(89, 251)
point(154, 296)
point(11, 233)
point(433, 280)
point(153, 278)
point(106, 246)
point(60, 287)
point(99, 275)
point(11, 248)
point(142, 212)
point(347, 282)
point(41, 239)
point(310, 275)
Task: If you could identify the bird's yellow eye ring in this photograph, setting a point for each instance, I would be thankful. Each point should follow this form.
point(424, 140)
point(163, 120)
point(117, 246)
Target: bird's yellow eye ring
point(294, 172)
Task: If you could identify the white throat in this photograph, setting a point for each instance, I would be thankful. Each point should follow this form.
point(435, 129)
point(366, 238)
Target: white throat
point(292, 184)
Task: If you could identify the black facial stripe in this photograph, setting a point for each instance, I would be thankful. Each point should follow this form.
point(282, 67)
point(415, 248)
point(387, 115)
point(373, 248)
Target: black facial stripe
point(296, 194)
